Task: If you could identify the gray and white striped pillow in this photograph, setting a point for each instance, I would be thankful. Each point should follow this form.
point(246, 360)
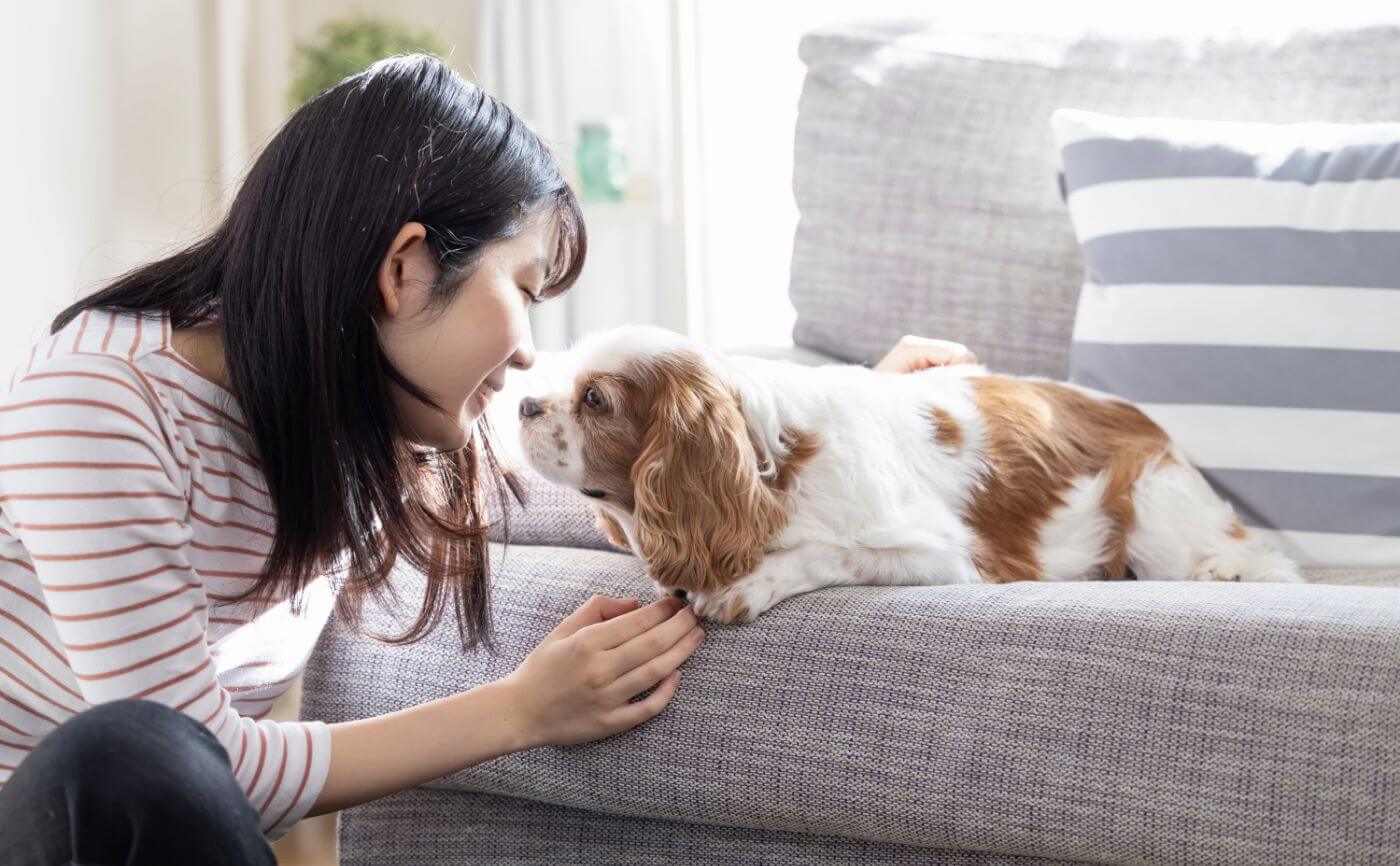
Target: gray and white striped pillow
point(1243, 287)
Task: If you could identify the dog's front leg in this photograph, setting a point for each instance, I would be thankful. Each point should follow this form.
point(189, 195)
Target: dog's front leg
point(786, 573)
point(782, 574)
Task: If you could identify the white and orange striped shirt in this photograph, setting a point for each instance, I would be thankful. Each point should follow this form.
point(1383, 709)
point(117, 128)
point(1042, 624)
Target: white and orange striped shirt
point(128, 505)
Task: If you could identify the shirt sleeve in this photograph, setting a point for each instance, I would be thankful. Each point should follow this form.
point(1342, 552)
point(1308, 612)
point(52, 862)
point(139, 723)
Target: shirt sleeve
point(91, 485)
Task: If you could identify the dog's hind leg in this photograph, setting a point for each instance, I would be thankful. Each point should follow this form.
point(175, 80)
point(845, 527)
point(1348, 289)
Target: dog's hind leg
point(1183, 531)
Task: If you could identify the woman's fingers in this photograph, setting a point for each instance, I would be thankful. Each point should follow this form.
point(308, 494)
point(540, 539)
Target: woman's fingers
point(615, 607)
point(624, 628)
point(631, 715)
point(651, 643)
point(598, 609)
point(912, 354)
point(649, 673)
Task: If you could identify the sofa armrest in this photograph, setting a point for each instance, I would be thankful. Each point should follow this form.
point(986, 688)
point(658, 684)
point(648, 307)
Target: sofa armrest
point(1107, 722)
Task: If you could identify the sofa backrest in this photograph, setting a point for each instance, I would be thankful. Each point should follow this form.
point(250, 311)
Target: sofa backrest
point(925, 172)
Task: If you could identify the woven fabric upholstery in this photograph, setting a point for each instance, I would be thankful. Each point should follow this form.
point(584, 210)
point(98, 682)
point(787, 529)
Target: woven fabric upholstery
point(925, 170)
point(454, 828)
point(1127, 723)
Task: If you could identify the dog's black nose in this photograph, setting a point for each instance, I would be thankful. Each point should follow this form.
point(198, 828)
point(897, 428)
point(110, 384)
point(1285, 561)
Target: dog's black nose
point(530, 407)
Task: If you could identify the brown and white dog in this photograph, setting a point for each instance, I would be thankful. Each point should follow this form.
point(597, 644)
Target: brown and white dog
point(745, 481)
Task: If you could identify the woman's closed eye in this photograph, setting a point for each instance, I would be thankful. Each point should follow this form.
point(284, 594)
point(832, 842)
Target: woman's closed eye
point(534, 298)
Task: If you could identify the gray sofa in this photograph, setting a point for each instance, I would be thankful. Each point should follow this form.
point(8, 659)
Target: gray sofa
point(1108, 723)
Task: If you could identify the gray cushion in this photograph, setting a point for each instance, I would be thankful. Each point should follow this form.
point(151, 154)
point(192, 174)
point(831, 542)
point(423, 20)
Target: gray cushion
point(925, 172)
point(1109, 722)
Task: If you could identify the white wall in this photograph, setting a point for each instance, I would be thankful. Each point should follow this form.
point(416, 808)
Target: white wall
point(106, 156)
point(54, 164)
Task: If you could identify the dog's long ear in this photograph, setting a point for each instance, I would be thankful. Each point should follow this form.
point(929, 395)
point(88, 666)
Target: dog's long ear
point(703, 515)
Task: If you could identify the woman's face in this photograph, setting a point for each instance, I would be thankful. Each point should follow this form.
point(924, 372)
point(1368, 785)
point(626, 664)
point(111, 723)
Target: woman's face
point(459, 354)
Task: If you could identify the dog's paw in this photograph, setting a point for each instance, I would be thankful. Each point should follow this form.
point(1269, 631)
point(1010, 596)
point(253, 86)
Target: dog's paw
point(739, 602)
point(1256, 568)
point(720, 607)
point(1218, 568)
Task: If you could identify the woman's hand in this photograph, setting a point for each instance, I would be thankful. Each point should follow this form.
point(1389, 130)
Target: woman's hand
point(912, 354)
point(574, 687)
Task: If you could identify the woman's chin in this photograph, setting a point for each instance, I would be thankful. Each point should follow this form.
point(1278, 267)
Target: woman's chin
point(447, 436)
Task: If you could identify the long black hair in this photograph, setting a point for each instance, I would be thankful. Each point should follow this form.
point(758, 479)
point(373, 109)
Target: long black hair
point(289, 278)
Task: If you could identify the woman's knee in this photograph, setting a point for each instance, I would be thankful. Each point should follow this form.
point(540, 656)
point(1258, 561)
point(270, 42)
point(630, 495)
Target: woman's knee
point(133, 744)
point(133, 781)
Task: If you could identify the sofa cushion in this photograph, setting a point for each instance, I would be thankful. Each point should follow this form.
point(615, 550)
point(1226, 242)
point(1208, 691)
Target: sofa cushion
point(1112, 722)
point(925, 174)
point(1243, 287)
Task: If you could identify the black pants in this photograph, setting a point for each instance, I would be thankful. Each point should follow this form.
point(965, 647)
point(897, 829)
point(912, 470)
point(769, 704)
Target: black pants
point(130, 782)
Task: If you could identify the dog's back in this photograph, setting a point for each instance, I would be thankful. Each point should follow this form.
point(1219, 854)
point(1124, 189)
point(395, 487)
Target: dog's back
point(1050, 481)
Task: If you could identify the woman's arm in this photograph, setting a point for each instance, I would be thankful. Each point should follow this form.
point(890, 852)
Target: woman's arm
point(912, 354)
point(91, 486)
point(574, 687)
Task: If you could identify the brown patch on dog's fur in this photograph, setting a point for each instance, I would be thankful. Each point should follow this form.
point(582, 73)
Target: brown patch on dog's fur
point(612, 439)
point(735, 610)
point(1236, 530)
point(947, 432)
point(703, 515)
point(610, 460)
point(802, 447)
point(672, 448)
point(1041, 437)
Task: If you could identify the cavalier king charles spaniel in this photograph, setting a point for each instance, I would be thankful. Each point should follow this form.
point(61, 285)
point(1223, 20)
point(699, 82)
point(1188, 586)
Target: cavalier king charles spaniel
point(743, 481)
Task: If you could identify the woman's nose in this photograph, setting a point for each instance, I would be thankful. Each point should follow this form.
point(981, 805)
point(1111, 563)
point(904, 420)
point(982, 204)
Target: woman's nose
point(524, 356)
point(530, 407)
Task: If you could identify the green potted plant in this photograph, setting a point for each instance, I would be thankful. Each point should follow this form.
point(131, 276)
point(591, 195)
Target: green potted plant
point(347, 45)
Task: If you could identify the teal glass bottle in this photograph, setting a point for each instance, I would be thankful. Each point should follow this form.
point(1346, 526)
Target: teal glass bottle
point(602, 163)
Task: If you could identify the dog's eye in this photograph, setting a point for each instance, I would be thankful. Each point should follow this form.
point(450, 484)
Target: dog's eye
point(592, 399)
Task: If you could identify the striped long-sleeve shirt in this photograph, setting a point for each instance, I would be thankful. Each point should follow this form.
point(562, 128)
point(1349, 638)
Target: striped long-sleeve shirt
point(129, 505)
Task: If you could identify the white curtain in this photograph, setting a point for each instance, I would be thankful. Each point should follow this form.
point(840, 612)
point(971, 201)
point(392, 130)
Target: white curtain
point(561, 63)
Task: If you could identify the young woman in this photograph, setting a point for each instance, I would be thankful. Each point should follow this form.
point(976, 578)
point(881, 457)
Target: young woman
point(208, 456)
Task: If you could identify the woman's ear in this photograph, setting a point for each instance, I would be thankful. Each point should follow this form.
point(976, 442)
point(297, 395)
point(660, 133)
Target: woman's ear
point(403, 266)
point(703, 516)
